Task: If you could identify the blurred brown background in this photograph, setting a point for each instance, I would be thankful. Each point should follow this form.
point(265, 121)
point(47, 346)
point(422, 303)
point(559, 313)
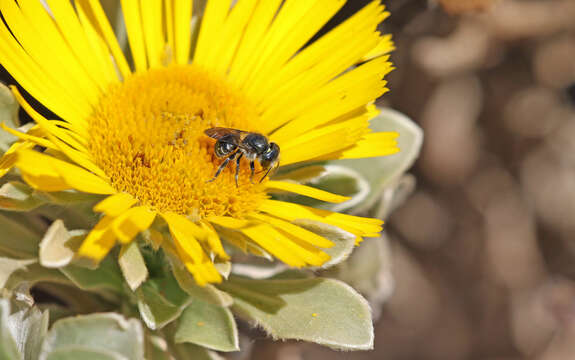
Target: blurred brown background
point(483, 253)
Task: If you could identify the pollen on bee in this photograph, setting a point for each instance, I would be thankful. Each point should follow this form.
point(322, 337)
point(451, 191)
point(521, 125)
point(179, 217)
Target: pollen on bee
point(148, 135)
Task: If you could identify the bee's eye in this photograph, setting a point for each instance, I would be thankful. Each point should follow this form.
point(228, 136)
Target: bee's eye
point(271, 154)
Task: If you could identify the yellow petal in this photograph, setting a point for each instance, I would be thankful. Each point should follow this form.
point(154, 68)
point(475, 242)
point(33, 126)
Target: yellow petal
point(156, 238)
point(370, 145)
point(152, 26)
point(251, 42)
point(385, 46)
point(115, 204)
point(62, 138)
point(29, 138)
point(291, 212)
point(182, 31)
point(103, 58)
point(283, 248)
point(191, 253)
point(366, 80)
point(235, 238)
point(99, 241)
point(213, 241)
point(306, 235)
point(232, 32)
point(37, 79)
point(45, 183)
point(306, 191)
point(133, 19)
point(8, 159)
point(95, 59)
point(98, 19)
point(324, 140)
point(132, 222)
point(210, 31)
point(37, 166)
point(292, 28)
point(228, 222)
point(36, 31)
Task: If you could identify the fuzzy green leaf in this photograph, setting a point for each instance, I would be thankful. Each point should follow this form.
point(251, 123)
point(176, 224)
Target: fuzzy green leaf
point(302, 175)
point(333, 178)
point(16, 239)
point(206, 293)
point(8, 115)
point(208, 325)
point(157, 348)
point(17, 196)
point(382, 171)
point(8, 345)
point(29, 326)
point(224, 268)
point(323, 311)
point(9, 266)
point(67, 197)
point(132, 264)
point(53, 250)
point(103, 333)
point(156, 309)
point(84, 354)
point(107, 276)
point(368, 270)
point(343, 240)
point(34, 273)
point(191, 351)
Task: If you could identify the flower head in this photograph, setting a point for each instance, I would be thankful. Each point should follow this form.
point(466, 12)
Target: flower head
point(136, 133)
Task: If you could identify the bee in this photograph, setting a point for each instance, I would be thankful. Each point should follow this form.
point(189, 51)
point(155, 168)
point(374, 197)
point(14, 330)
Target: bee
point(233, 144)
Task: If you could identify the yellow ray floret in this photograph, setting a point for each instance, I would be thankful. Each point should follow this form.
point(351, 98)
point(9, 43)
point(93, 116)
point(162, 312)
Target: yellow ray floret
point(43, 167)
point(306, 191)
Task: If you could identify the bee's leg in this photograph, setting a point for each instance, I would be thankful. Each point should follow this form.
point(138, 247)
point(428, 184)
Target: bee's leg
point(223, 166)
point(238, 167)
point(253, 169)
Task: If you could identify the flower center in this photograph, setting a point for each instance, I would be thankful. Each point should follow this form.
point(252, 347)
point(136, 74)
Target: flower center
point(147, 134)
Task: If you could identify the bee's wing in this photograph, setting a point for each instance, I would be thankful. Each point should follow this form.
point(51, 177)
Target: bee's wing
point(218, 132)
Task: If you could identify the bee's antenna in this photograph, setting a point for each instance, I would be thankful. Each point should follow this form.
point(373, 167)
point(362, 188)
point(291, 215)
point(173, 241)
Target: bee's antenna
point(267, 172)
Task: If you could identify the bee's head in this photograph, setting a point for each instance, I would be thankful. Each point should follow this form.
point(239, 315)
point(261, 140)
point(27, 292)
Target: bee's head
point(270, 156)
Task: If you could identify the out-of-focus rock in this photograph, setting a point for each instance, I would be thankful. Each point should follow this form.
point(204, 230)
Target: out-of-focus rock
point(560, 302)
point(533, 112)
point(463, 50)
point(489, 184)
point(561, 140)
point(412, 310)
point(451, 147)
point(551, 187)
point(290, 352)
point(553, 63)
point(532, 323)
point(511, 243)
point(451, 337)
point(514, 19)
point(465, 6)
point(423, 222)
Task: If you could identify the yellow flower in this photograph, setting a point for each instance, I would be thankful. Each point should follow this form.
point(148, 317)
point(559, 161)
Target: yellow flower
point(136, 133)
